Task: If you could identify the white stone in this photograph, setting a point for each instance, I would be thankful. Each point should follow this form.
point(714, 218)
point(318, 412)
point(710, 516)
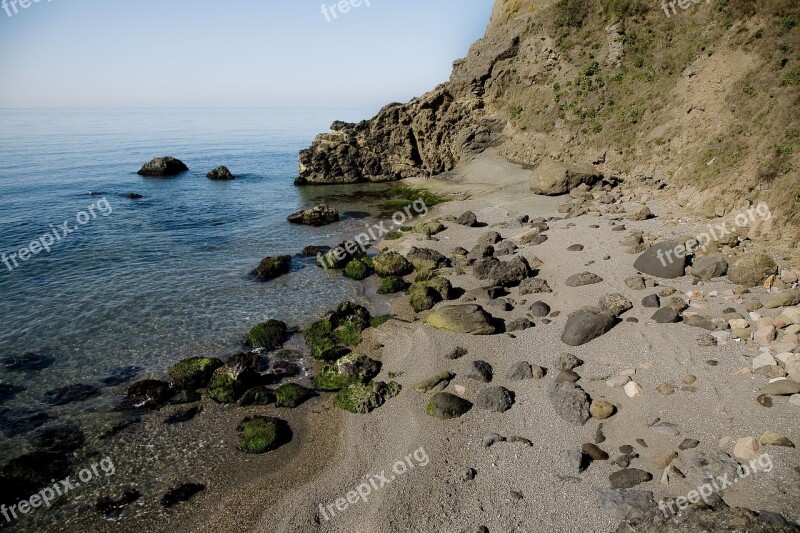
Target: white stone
point(633, 389)
point(765, 335)
point(746, 448)
point(793, 314)
point(794, 399)
point(783, 357)
point(723, 337)
point(738, 323)
point(755, 316)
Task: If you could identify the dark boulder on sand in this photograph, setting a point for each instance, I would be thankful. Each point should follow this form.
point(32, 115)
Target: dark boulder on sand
point(163, 167)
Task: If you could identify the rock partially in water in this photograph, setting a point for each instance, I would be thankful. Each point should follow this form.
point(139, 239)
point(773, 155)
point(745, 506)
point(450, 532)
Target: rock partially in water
point(77, 392)
point(269, 335)
point(193, 373)
point(163, 167)
point(220, 173)
point(228, 383)
point(273, 267)
point(319, 215)
point(150, 393)
point(183, 415)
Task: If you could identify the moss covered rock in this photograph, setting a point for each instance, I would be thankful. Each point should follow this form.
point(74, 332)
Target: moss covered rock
point(391, 264)
point(263, 434)
point(330, 337)
point(358, 269)
point(273, 267)
point(429, 228)
point(352, 368)
point(258, 396)
point(269, 335)
point(360, 398)
point(339, 256)
point(425, 294)
point(392, 285)
point(229, 382)
point(292, 395)
point(193, 373)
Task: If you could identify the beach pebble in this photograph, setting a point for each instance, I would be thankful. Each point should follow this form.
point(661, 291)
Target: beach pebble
point(479, 371)
point(633, 389)
point(497, 399)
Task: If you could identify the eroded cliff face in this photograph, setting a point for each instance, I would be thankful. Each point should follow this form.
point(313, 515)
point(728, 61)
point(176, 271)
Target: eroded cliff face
point(702, 103)
point(427, 136)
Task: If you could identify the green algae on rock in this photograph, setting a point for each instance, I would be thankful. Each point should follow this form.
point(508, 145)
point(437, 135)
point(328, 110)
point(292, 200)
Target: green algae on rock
point(229, 382)
point(352, 368)
point(359, 398)
point(193, 373)
point(262, 434)
point(388, 264)
point(392, 285)
point(261, 395)
point(269, 335)
point(291, 395)
point(358, 269)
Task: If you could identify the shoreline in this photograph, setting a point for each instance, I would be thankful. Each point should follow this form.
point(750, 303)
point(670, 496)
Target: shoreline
point(370, 443)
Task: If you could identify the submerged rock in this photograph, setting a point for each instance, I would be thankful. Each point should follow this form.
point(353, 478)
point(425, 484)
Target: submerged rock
point(61, 437)
point(183, 493)
point(163, 167)
point(320, 215)
point(70, 393)
point(28, 362)
point(121, 374)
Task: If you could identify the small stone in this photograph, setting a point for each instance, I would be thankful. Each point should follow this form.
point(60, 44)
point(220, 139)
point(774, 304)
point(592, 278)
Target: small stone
point(666, 389)
point(666, 315)
point(771, 438)
point(688, 444)
point(539, 309)
point(601, 409)
point(633, 389)
point(456, 353)
point(651, 301)
point(688, 380)
point(663, 460)
point(468, 474)
point(519, 371)
point(567, 376)
point(764, 400)
point(628, 478)
point(491, 439)
point(497, 399)
point(479, 371)
point(594, 451)
point(575, 248)
point(781, 388)
point(567, 361)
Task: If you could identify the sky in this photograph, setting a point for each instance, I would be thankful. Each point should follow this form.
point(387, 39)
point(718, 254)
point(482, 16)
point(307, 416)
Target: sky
point(230, 53)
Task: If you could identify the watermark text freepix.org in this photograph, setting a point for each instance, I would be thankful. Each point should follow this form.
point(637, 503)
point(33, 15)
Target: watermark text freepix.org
point(48, 495)
point(717, 485)
point(375, 482)
point(343, 7)
point(56, 234)
point(374, 233)
point(715, 232)
point(11, 7)
point(683, 4)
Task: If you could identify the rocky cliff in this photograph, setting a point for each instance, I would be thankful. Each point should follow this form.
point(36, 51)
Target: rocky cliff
point(702, 101)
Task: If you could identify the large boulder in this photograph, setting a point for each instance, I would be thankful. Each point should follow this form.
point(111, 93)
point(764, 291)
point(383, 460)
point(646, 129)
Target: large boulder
point(193, 373)
point(752, 269)
point(506, 273)
point(553, 178)
point(426, 294)
point(586, 325)
point(163, 167)
point(391, 264)
point(665, 259)
point(426, 259)
point(319, 215)
point(273, 267)
point(709, 266)
point(466, 318)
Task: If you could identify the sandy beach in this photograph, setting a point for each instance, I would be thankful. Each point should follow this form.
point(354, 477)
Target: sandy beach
point(516, 486)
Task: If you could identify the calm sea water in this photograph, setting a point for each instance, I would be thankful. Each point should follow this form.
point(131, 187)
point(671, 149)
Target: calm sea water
point(166, 276)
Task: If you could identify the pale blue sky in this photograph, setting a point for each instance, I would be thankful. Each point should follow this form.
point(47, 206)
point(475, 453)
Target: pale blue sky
point(230, 53)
